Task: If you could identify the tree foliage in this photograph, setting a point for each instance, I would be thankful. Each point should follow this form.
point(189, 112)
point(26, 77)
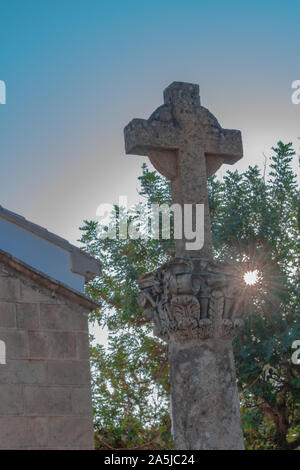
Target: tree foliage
point(254, 221)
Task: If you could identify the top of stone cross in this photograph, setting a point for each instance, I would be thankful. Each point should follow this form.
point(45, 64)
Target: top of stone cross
point(179, 120)
point(178, 91)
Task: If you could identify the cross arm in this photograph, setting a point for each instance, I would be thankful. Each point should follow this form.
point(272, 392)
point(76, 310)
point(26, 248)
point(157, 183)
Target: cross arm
point(143, 136)
point(226, 143)
point(223, 146)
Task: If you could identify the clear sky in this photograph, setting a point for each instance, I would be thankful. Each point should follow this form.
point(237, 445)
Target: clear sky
point(77, 71)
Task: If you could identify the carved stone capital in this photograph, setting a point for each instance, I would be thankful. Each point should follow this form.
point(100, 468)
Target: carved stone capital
point(193, 298)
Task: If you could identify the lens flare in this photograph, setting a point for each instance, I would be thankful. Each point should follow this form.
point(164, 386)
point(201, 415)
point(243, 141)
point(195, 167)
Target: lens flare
point(251, 277)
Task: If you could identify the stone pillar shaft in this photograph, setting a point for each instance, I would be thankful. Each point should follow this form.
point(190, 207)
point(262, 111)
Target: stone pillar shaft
point(204, 398)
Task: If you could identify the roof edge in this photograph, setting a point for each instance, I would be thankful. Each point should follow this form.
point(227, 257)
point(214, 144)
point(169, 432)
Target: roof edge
point(47, 282)
point(81, 263)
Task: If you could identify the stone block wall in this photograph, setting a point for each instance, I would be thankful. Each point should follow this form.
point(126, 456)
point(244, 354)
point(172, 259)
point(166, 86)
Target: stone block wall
point(45, 385)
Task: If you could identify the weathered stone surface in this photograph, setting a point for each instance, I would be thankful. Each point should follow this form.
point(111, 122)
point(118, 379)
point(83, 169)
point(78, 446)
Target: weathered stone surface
point(3, 271)
point(72, 433)
point(52, 344)
point(19, 432)
point(193, 298)
point(81, 401)
point(16, 343)
point(23, 372)
point(61, 345)
point(9, 288)
point(28, 316)
point(11, 400)
point(34, 294)
point(82, 345)
point(62, 372)
point(7, 314)
point(62, 317)
point(197, 307)
point(45, 384)
point(38, 347)
point(195, 303)
point(50, 401)
point(185, 142)
point(204, 399)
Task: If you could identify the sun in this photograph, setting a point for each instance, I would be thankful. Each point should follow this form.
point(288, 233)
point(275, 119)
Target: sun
point(251, 277)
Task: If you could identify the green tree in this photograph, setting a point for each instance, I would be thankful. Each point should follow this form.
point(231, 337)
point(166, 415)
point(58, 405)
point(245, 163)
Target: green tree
point(254, 222)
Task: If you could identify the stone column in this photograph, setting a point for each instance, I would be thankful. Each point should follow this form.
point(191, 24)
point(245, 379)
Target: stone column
point(196, 307)
point(195, 304)
point(204, 398)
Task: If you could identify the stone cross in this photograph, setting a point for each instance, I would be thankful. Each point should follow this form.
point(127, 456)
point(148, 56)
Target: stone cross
point(195, 303)
point(185, 143)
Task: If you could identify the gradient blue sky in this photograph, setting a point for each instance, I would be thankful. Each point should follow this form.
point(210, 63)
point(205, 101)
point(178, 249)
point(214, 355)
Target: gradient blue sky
point(77, 71)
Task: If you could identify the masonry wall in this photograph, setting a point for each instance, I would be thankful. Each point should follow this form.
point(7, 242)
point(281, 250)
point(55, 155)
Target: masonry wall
point(45, 392)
